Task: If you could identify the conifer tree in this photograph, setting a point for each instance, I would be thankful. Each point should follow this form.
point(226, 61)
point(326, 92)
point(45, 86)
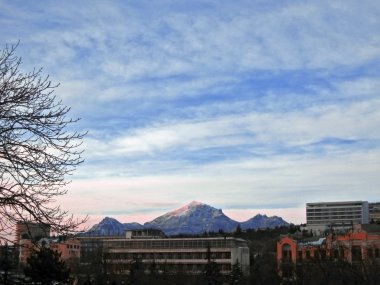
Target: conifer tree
point(45, 267)
point(236, 273)
point(211, 270)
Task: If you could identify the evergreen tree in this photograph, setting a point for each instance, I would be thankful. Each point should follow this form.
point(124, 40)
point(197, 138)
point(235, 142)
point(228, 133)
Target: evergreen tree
point(45, 267)
point(211, 270)
point(6, 264)
point(238, 231)
point(236, 274)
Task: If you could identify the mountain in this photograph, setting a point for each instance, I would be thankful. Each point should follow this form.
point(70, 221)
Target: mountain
point(263, 221)
point(194, 218)
point(111, 227)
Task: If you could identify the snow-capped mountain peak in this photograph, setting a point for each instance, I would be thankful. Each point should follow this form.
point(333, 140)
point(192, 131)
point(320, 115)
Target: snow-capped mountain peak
point(193, 218)
point(185, 209)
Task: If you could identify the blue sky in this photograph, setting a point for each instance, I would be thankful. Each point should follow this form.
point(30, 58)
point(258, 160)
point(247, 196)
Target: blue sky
point(249, 106)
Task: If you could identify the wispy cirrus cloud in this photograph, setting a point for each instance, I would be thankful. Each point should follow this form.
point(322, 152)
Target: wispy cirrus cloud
point(247, 102)
point(352, 121)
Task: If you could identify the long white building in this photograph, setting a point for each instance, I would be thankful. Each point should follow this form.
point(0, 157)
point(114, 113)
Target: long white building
point(322, 215)
point(175, 254)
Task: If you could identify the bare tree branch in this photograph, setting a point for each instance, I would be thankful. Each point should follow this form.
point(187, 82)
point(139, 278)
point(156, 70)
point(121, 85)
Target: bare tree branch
point(37, 151)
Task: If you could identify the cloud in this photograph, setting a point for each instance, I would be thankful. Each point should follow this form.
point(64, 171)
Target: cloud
point(251, 183)
point(263, 104)
point(356, 121)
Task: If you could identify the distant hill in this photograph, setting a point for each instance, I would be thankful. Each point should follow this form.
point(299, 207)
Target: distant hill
point(193, 218)
point(111, 227)
point(263, 221)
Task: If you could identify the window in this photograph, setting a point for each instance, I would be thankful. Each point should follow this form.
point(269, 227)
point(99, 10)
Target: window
point(299, 256)
point(286, 252)
point(323, 254)
point(370, 253)
point(356, 252)
point(336, 253)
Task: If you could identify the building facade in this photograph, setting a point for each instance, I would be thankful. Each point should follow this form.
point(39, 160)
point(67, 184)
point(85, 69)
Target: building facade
point(338, 215)
point(168, 255)
point(69, 248)
point(34, 231)
point(30, 236)
point(374, 212)
point(92, 248)
point(360, 244)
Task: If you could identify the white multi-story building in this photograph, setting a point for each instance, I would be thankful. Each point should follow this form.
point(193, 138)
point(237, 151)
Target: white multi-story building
point(323, 215)
point(374, 212)
point(174, 254)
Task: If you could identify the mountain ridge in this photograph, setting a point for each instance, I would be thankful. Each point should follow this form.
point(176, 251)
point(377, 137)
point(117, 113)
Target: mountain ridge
point(193, 218)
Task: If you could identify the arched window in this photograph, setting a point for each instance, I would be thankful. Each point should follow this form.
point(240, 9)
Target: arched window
point(286, 252)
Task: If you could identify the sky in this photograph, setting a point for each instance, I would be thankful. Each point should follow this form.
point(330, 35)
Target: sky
point(248, 106)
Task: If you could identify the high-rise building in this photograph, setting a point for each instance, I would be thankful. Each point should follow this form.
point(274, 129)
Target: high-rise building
point(374, 212)
point(324, 215)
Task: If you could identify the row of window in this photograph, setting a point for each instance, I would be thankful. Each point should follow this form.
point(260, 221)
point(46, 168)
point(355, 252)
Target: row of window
point(356, 253)
point(167, 267)
point(359, 212)
point(337, 222)
point(326, 215)
point(310, 211)
point(338, 205)
point(73, 253)
point(168, 256)
point(72, 246)
point(334, 218)
point(162, 243)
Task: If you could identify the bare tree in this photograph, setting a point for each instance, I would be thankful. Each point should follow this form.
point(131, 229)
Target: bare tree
point(37, 150)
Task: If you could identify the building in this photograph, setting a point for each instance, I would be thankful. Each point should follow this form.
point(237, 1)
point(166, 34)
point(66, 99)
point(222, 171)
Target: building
point(337, 215)
point(360, 244)
point(150, 248)
point(34, 231)
point(374, 212)
point(69, 248)
point(92, 248)
point(30, 236)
